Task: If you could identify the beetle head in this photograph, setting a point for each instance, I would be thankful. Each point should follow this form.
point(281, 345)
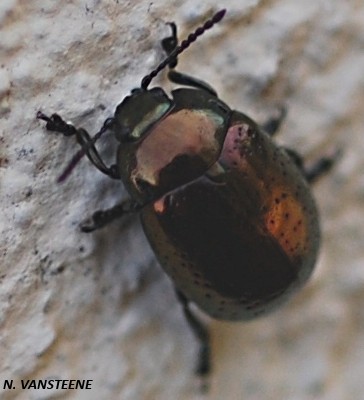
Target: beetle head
point(137, 113)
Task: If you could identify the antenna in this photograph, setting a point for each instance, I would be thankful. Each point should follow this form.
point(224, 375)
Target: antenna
point(183, 46)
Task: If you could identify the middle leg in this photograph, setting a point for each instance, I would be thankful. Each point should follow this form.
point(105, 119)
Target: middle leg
point(320, 167)
point(101, 218)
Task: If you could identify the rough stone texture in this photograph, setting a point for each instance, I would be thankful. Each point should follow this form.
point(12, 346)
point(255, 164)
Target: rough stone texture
point(77, 306)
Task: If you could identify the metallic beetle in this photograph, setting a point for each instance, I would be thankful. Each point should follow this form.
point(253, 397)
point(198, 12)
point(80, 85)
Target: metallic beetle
point(228, 213)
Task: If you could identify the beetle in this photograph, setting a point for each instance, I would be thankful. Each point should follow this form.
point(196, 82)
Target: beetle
point(228, 213)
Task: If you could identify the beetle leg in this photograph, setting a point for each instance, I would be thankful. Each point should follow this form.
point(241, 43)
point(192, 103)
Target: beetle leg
point(86, 142)
point(296, 158)
point(272, 125)
point(321, 166)
point(56, 124)
point(103, 217)
point(169, 44)
point(201, 333)
point(318, 168)
point(187, 80)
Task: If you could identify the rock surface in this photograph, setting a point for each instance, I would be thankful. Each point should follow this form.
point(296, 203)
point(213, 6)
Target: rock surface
point(97, 306)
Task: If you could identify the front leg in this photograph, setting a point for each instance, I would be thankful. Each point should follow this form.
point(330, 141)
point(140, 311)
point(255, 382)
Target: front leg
point(56, 124)
point(169, 44)
point(272, 125)
point(104, 217)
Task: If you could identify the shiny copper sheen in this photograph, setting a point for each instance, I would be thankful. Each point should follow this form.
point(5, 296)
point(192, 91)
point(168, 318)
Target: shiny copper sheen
point(239, 238)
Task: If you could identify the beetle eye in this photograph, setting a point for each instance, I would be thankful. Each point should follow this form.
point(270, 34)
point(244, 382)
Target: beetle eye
point(124, 134)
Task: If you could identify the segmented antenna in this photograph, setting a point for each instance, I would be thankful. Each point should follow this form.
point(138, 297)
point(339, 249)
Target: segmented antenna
point(183, 46)
point(71, 165)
